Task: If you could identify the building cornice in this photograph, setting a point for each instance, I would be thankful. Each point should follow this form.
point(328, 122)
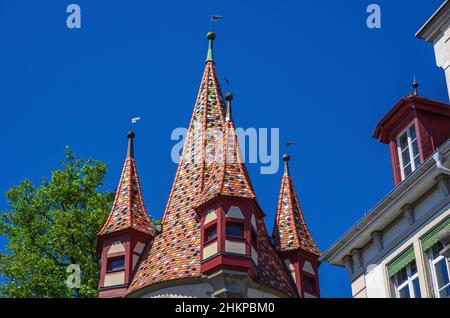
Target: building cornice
point(357, 236)
point(434, 26)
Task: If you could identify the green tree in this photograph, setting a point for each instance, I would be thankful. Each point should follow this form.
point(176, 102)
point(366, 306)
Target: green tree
point(52, 226)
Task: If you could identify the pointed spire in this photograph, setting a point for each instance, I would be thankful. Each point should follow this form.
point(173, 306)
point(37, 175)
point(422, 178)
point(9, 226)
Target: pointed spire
point(229, 176)
point(290, 230)
point(415, 86)
point(128, 210)
point(286, 159)
point(130, 149)
point(211, 36)
point(192, 175)
point(228, 98)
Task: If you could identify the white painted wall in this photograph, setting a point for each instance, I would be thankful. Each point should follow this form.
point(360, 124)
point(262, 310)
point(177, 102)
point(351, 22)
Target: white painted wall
point(442, 52)
point(375, 286)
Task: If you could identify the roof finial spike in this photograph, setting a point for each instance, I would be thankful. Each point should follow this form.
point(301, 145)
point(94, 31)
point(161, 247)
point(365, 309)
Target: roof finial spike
point(228, 98)
point(130, 149)
point(286, 159)
point(415, 86)
point(210, 36)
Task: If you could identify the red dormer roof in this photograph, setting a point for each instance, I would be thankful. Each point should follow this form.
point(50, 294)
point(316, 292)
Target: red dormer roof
point(401, 112)
point(229, 176)
point(290, 230)
point(128, 210)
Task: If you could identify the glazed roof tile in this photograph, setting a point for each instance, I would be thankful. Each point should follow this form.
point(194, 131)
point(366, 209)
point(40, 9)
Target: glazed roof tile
point(290, 230)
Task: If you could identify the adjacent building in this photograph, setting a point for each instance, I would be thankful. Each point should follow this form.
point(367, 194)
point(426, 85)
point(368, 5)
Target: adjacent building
point(397, 249)
point(437, 31)
point(212, 240)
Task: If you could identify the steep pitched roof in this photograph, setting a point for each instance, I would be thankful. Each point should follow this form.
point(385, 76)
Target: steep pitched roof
point(271, 272)
point(290, 230)
point(128, 210)
point(175, 252)
point(229, 176)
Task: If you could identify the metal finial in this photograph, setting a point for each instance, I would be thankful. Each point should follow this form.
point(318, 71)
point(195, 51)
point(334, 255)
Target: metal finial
point(211, 36)
point(415, 86)
point(286, 159)
point(130, 149)
point(228, 98)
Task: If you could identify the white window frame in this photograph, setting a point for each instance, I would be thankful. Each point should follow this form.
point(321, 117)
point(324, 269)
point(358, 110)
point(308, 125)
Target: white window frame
point(412, 158)
point(433, 261)
point(408, 283)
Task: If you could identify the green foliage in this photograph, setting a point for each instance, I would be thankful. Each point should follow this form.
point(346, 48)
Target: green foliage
point(53, 226)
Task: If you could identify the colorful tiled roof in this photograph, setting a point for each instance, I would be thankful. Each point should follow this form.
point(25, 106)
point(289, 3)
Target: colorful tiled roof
point(175, 252)
point(271, 271)
point(229, 176)
point(290, 230)
point(128, 210)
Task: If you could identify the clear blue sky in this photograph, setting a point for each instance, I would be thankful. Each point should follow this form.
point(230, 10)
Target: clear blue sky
point(311, 68)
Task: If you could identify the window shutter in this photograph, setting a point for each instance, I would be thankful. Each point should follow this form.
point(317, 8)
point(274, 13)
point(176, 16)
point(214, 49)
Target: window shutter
point(433, 236)
point(401, 261)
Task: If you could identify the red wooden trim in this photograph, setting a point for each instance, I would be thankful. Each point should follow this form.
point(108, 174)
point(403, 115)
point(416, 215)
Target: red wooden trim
point(112, 293)
point(236, 262)
point(112, 258)
point(112, 255)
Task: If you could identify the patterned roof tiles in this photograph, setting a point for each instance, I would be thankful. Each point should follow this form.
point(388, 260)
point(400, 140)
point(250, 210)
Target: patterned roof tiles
point(271, 271)
point(290, 230)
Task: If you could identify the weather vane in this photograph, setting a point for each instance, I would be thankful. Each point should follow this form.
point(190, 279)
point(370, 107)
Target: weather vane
point(290, 143)
point(215, 18)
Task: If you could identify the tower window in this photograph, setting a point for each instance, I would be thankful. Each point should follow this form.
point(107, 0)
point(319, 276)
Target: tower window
point(254, 239)
point(115, 264)
point(235, 230)
point(309, 284)
point(210, 233)
point(408, 150)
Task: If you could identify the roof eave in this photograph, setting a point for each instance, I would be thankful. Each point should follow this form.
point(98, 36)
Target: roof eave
point(417, 102)
point(425, 32)
point(338, 250)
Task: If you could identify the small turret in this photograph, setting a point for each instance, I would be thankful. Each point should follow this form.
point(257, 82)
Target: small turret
point(293, 241)
point(126, 233)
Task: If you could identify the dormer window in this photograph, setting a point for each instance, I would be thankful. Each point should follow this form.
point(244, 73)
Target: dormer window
point(235, 230)
point(309, 284)
point(408, 150)
point(115, 264)
point(210, 233)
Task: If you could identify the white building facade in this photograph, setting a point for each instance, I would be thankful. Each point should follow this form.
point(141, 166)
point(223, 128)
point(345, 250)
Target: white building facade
point(394, 250)
point(437, 31)
point(397, 249)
